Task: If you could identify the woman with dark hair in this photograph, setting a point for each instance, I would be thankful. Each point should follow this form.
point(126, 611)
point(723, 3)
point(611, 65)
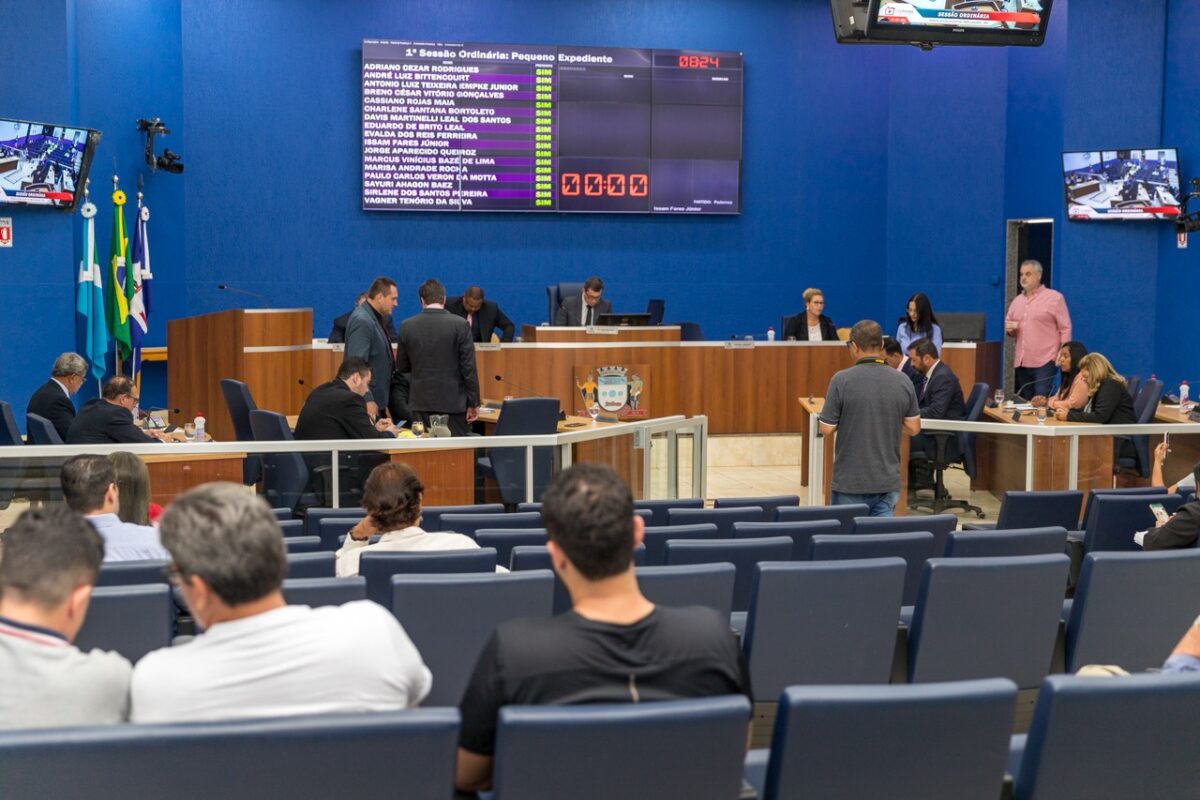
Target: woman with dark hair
point(133, 489)
point(392, 500)
point(1073, 386)
point(919, 322)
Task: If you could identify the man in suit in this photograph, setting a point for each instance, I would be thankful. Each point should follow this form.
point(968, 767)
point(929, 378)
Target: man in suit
point(52, 400)
point(940, 397)
point(482, 315)
point(367, 338)
point(435, 346)
point(585, 308)
point(108, 419)
point(337, 333)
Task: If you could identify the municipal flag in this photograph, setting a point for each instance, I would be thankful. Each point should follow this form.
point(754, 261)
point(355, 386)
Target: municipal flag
point(139, 304)
point(90, 329)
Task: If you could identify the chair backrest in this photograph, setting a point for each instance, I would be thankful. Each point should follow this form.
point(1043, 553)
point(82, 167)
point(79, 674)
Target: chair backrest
point(801, 532)
point(744, 554)
point(636, 751)
point(690, 585)
point(284, 514)
point(690, 331)
point(976, 402)
point(529, 507)
point(1147, 397)
point(330, 530)
point(843, 514)
point(658, 508)
point(527, 557)
point(291, 527)
point(987, 617)
point(557, 292)
point(132, 573)
point(1021, 542)
point(311, 565)
point(723, 518)
point(822, 622)
point(655, 539)
point(939, 525)
point(1133, 385)
point(656, 308)
point(285, 475)
point(313, 517)
point(240, 403)
point(10, 434)
point(524, 416)
point(302, 544)
point(132, 620)
point(915, 548)
point(503, 540)
point(324, 591)
point(1111, 738)
point(467, 524)
point(379, 567)
point(431, 516)
point(1122, 492)
point(769, 505)
point(41, 430)
point(817, 751)
point(450, 618)
point(1114, 520)
point(283, 757)
point(1131, 608)
point(1039, 509)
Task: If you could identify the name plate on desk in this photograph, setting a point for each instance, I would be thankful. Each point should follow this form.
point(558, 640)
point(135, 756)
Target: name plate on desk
point(602, 330)
point(487, 347)
point(739, 344)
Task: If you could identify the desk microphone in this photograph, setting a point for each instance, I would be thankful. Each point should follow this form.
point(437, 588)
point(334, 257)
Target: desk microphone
point(224, 287)
point(1026, 385)
point(529, 392)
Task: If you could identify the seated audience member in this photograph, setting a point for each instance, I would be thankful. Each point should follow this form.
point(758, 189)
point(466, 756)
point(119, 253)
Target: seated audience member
point(811, 325)
point(484, 316)
point(919, 322)
point(1185, 484)
point(583, 309)
point(1072, 386)
point(1186, 655)
point(52, 399)
point(1108, 402)
point(613, 646)
point(897, 360)
point(392, 500)
point(89, 485)
point(1179, 531)
point(133, 489)
point(259, 657)
point(51, 558)
point(108, 419)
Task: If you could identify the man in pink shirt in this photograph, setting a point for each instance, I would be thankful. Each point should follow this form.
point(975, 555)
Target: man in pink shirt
point(1039, 320)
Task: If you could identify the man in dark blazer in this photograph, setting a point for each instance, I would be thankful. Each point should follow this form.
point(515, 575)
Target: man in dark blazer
point(583, 309)
point(108, 419)
point(367, 338)
point(52, 400)
point(435, 346)
point(482, 315)
point(941, 396)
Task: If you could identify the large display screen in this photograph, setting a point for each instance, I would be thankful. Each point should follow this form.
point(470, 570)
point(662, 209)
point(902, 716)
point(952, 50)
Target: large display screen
point(501, 127)
point(43, 165)
point(1019, 22)
point(1122, 184)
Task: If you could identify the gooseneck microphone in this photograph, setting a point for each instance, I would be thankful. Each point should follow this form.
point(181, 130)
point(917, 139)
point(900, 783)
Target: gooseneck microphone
point(224, 287)
point(523, 389)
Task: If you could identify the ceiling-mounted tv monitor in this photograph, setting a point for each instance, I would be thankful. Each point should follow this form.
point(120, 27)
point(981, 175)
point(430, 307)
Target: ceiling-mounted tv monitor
point(1122, 184)
point(959, 22)
point(43, 164)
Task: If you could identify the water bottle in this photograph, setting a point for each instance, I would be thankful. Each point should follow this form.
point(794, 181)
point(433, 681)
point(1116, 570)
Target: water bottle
point(1183, 396)
point(771, 334)
point(200, 426)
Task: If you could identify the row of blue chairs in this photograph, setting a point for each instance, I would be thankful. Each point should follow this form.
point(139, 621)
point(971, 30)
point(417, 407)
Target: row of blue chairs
point(1100, 739)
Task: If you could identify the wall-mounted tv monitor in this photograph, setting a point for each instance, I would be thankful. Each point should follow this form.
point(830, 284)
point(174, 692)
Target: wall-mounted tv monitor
point(1122, 184)
point(960, 22)
point(510, 127)
point(43, 164)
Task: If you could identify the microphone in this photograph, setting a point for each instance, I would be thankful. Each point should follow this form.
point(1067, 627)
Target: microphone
point(1026, 385)
point(224, 287)
point(519, 387)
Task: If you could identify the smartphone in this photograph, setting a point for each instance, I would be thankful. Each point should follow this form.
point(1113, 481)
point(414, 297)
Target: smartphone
point(1167, 441)
point(1159, 513)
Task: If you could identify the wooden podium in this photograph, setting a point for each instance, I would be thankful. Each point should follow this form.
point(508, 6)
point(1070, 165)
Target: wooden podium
point(268, 349)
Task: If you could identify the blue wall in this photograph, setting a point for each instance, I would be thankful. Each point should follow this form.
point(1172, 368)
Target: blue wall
point(871, 172)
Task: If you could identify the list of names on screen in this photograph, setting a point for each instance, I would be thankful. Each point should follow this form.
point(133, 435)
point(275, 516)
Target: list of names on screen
point(500, 127)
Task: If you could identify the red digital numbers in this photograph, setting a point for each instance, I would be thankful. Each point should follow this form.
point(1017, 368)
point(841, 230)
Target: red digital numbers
point(614, 184)
point(699, 62)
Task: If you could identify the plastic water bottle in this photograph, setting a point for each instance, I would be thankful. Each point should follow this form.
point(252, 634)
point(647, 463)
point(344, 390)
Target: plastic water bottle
point(771, 334)
point(1183, 396)
point(200, 426)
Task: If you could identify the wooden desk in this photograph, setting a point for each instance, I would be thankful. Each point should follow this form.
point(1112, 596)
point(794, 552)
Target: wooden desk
point(812, 406)
point(172, 474)
point(600, 335)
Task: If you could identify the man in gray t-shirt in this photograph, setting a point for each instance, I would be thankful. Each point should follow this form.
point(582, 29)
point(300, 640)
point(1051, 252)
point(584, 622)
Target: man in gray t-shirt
point(51, 559)
point(869, 405)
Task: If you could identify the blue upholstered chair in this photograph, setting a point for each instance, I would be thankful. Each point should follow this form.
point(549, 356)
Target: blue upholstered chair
point(656, 308)
point(450, 618)
point(655, 539)
point(1026, 542)
point(801, 532)
point(822, 622)
point(313, 517)
point(1124, 491)
point(954, 447)
point(635, 751)
point(332, 531)
point(939, 525)
point(843, 514)
point(769, 505)
point(1034, 510)
point(132, 573)
point(503, 540)
point(556, 293)
point(689, 331)
point(915, 548)
point(744, 554)
point(324, 591)
point(523, 416)
point(467, 524)
point(431, 516)
point(527, 557)
point(1145, 405)
point(1114, 519)
point(379, 567)
point(291, 527)
point(289, 757)
point(302, 544)
point(690, 585)
point(132, 620)
point(41, 430)
point(659, 508)
point(283, 514)
point(285, 475)
point(311, 565)
point(723, 518)
point(240, 403)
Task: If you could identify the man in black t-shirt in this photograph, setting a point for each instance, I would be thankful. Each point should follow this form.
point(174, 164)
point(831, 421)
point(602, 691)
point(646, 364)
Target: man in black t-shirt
point(614, 646)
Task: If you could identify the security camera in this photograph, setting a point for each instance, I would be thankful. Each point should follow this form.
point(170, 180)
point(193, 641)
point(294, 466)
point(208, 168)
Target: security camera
point(168, 161)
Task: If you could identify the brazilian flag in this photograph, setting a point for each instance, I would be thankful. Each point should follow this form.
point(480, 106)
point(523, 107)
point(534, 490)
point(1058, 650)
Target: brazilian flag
point(116, 292)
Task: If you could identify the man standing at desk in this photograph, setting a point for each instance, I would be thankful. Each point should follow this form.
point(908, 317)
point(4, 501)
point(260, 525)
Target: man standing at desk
point(367, 338)
point(484, 316)
point(585, 308)
point(1039, 320)
point(435, 346)
point(869, 405)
